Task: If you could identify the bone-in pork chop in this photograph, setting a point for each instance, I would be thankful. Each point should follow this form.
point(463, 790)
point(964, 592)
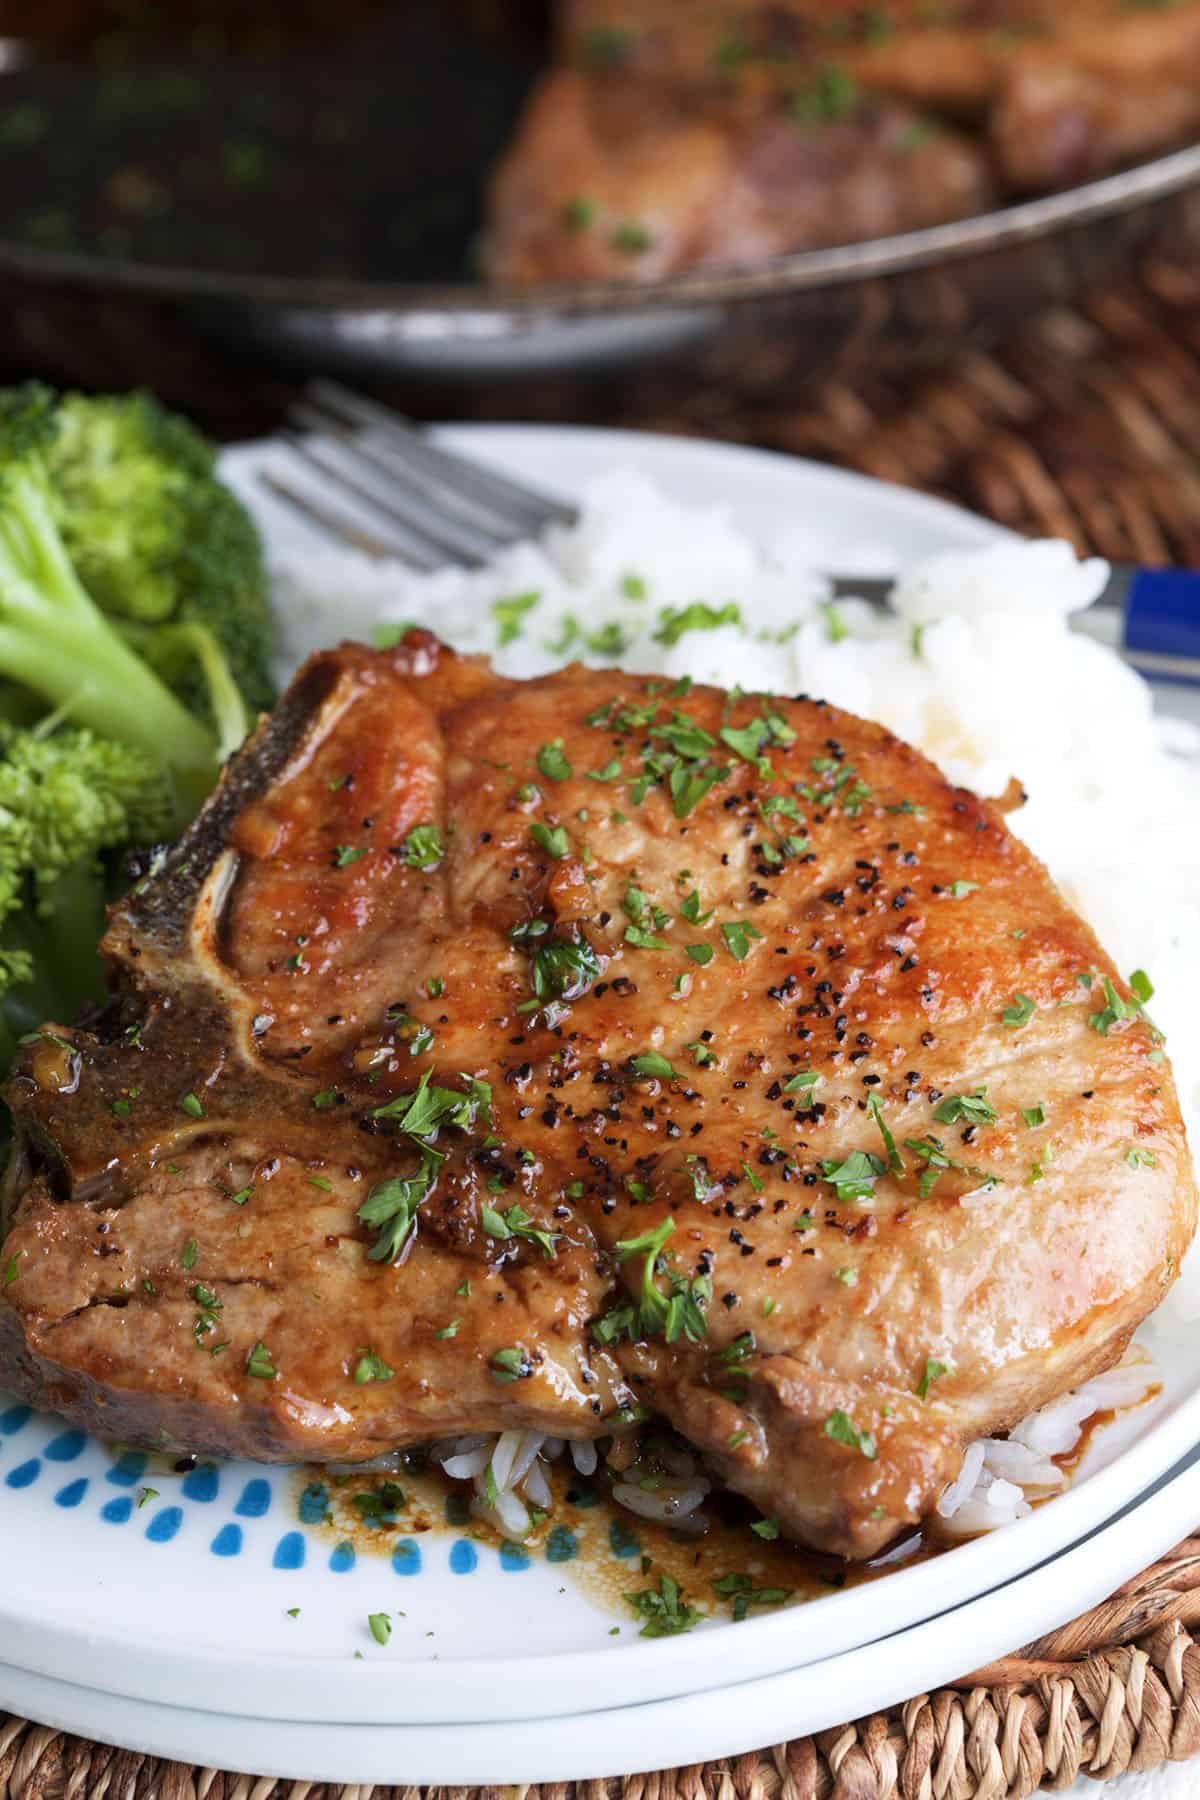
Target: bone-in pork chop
point(496, 1053)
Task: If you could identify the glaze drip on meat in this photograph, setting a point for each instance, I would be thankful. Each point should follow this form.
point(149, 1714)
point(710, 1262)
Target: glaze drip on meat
point(499, 1053)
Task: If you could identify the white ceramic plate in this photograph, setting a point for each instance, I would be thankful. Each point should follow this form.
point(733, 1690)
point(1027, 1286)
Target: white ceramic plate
point(736, 1719)
point(148, 1593)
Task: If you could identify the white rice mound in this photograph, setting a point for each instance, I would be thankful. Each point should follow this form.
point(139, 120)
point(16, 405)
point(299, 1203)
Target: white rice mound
point(975, 663)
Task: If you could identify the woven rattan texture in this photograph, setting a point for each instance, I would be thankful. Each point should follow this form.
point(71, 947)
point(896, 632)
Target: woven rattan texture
point(1086, 425)
point(1117, 1690)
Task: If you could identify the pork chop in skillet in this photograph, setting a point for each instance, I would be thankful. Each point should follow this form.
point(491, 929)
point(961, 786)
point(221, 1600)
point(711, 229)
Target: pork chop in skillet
point(499, 1053)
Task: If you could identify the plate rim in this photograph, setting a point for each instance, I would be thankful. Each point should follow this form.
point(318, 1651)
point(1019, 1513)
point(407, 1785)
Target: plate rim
point(673, 1666)
point(883, 1673)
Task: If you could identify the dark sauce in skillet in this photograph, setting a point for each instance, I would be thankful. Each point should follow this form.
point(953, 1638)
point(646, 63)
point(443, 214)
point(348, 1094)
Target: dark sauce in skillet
point(346, 142)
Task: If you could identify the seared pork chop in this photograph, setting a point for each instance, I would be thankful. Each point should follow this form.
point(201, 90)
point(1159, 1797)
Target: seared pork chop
point(495, 1053)
point(619, 178)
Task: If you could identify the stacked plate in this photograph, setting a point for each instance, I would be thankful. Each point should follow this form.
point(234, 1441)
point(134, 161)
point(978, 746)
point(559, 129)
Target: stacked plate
point(210, 1616)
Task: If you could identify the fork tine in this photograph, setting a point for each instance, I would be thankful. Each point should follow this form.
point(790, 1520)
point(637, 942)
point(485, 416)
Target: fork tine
point(341, 526)
point(516, 504)
point(443, 537)
point(437, 504)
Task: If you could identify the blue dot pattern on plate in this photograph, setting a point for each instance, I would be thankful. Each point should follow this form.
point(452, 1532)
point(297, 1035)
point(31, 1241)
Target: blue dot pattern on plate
point(128, 1469)
point(255, 1501)
point(289, 1552)
point(561, 1545)
point(406, 1557)
point(202, 1484)
point(165, 1525)
point(464, 1558)
point(255, 1497)
point(66, 1447)
point(314, 1503)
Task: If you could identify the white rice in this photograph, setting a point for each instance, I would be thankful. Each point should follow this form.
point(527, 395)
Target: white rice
point(975, 663)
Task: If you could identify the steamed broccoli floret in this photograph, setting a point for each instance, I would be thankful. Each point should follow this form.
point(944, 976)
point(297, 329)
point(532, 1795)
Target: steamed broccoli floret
point(160, 542)
point(55, 640)
point(68, 799)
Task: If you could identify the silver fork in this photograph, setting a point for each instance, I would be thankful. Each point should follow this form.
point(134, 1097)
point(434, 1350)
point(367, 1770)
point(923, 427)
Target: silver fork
point(386, 488)
point(397, 493)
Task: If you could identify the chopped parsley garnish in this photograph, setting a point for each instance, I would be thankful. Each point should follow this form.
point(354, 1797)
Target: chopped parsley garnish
point(958, 890)
point(766, 1528)
point(380, 1626)
point(675, 621)
point(974, 1108)
point(190, 1104)
point(552, 839)
point(841, 1428)
point(370, 1367)
point(699, 953)
point(640, 939)
point(560, 968)
point(261, 1364)
point(345, 854)
point(934, 1370)
point(652, 1064)
point(190, 1252)
point(664, 1609)
point(324, 1098)
point(579, 213)
point(511, 1364)
point(510, 615)
point(1019, 1013)
point(1116, 1008)
point(803, 1082)
point(742, 1594)
point(391, 1207)
point(1034, 1115)
point(423, 848)
point(9, 1272)
point(832, 96)
point(688, 788)
point(835, 625)
point(855, 1177)
point(552, 763)
point(633, 587)
point(631, 239)
point(517, 1223)
point(1140, 1159)
point(935, 1162)
point(691, 909)
point(738, 936)
point(378, 1504)
point(677, 1313)
point(609, 772)
point(895, 1161)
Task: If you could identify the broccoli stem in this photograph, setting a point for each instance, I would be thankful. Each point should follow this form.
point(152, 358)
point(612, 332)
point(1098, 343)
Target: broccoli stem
point(55, 640)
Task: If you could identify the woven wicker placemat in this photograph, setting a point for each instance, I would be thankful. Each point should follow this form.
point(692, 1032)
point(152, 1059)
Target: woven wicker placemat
point(1116, 1691)
point(1085, 425)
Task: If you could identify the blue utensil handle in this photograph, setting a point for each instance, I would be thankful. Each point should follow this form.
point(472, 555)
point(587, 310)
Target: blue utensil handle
point(1162, 613)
